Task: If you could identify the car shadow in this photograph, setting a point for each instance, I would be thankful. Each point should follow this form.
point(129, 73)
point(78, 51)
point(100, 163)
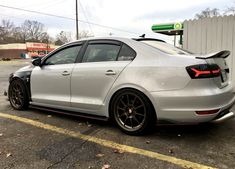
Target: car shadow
point(165, 131)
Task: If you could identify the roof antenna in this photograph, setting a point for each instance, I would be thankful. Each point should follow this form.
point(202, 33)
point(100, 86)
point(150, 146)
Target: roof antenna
point(142, 36)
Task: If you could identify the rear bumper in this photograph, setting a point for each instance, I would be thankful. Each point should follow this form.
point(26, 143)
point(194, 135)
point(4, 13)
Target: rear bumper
point(180, 106)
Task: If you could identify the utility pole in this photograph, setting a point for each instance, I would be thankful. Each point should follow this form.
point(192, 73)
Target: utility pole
point(77, 33)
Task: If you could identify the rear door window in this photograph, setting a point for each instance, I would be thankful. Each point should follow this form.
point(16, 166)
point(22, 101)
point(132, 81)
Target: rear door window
point(101, 52)
point(126, 53)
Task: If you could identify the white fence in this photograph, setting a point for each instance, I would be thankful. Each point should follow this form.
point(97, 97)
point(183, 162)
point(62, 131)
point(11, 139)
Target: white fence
point(211, 35)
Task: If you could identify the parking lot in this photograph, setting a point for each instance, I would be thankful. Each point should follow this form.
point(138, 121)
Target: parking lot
point(42, 139)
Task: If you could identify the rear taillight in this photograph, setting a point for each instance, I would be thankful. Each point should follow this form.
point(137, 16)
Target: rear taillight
point(203, 71)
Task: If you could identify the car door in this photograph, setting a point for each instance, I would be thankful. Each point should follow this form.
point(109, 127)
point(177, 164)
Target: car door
point(50, 83)
point(91, 79)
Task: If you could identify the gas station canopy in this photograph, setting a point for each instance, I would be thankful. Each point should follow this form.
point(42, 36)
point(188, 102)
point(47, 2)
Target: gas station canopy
point(169, 29)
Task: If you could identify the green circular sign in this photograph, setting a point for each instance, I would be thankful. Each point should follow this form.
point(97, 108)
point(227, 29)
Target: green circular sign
point(178, 25)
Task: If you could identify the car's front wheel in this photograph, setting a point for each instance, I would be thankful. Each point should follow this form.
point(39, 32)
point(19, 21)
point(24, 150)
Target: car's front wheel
point(18, 96)
point(132, 112)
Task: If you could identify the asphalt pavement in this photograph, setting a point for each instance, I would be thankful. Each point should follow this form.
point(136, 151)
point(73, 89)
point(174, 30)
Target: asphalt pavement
point(41, 139)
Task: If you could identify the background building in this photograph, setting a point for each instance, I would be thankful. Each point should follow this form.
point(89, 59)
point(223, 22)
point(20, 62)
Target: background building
point(39, 49)
point(22, 50)
point(13, 50)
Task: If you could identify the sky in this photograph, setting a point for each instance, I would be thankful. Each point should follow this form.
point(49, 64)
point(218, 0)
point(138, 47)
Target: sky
point(130, 18)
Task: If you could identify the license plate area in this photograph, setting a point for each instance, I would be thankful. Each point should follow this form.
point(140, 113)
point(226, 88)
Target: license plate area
point(224, 76)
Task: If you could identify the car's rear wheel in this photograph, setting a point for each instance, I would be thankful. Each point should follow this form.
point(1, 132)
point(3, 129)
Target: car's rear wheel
point(18, 96)
point(132, 112)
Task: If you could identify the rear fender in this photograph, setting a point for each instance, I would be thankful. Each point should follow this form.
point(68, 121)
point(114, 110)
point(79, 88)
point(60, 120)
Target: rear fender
point(127, 86)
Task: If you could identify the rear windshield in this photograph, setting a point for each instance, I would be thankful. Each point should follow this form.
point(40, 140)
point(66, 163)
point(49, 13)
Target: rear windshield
point(166, 48)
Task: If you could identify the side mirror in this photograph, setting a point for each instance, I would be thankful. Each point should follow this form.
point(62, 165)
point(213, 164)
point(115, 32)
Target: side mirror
point(37, 62)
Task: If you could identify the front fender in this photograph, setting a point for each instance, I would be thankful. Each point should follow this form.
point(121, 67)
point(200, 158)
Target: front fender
point(24, 77)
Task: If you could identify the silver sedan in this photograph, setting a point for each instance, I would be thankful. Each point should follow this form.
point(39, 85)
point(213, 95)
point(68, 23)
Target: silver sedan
point(134, 82)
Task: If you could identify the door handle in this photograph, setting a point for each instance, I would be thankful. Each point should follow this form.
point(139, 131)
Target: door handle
point(110, 72)
point(65, 73)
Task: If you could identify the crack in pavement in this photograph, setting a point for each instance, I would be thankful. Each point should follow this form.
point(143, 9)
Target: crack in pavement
point(97, 131)
point(75, 148)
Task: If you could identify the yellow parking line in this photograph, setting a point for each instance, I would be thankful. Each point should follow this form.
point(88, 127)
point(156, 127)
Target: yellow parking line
point(110, 144)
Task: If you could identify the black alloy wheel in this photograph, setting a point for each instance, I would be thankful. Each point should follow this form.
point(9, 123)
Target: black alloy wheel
point(17, 95)
point(132, 112)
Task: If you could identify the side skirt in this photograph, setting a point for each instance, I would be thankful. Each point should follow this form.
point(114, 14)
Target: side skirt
point(77, 114)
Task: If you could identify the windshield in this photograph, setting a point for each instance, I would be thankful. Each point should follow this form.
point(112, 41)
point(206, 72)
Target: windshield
point(166, 48)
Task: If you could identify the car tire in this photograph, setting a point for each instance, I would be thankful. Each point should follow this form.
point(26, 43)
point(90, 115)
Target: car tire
point(132, 111)
point(17, 95)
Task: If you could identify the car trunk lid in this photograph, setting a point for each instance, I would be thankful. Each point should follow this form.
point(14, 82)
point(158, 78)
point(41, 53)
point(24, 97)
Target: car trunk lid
point(219, 59)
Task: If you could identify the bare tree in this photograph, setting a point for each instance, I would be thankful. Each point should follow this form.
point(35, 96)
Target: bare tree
point(84, 34)
point(33, 31)
point(63, 37)
point(6, 31)
point(18, 35)
point(230, 11)
point(207, 13)
point(44, 38)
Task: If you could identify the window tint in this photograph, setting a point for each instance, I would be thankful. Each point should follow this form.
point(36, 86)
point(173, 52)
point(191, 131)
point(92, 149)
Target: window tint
point(126, 53)
point(65, 56)
point(101, 52)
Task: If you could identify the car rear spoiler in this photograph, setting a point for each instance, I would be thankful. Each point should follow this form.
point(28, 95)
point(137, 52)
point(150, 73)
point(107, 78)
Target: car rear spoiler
point(221, 54)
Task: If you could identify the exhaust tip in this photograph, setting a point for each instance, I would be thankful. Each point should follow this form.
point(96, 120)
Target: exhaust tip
point(224, 118)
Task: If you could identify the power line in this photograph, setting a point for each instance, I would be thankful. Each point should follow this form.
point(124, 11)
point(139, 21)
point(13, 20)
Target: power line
point(43, 5)
point(84, 12)
point(68, 18)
